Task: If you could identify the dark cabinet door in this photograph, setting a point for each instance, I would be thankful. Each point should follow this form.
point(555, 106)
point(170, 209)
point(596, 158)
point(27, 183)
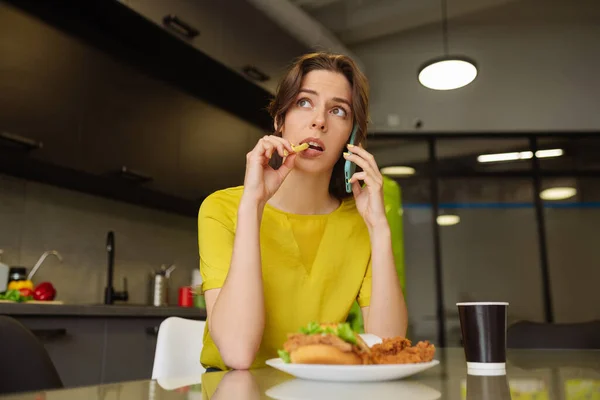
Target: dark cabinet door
point(75, 346)
point(131, 125)
point(41, 86)
point(130, 346)
point(213, 151)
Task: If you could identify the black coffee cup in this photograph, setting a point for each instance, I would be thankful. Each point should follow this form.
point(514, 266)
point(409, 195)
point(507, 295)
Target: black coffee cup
point(483, 326)
point(488, 388)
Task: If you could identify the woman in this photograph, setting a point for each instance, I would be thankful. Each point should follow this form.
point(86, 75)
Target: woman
point(290, 246)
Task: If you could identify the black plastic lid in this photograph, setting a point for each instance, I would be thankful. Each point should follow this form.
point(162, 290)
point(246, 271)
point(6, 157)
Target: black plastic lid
point(17, 270)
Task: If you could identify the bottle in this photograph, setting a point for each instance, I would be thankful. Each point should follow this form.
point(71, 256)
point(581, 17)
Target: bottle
point(199, 301)
point(158, 293)
point(4, 271)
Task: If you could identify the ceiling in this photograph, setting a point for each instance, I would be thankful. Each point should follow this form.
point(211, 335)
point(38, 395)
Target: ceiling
point(357, 21)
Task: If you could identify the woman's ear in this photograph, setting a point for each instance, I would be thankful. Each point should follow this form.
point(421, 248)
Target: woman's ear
point(278, 130)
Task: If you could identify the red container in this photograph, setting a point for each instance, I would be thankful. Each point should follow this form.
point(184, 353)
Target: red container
point(186, 296)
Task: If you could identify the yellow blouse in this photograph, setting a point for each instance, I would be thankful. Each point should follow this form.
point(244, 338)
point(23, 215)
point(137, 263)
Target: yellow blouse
point(314, 266)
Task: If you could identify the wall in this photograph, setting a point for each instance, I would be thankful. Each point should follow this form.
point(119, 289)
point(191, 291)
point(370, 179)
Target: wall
point(537, 71)
point(36, 217)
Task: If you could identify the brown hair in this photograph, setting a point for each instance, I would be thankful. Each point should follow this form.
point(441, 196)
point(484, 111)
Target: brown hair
point(289, 88)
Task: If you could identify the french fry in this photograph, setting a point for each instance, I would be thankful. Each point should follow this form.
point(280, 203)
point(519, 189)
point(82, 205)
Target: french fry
point(297, 149)
point(300, 147)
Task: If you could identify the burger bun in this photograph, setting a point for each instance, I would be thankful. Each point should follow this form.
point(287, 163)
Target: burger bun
point(323, 354)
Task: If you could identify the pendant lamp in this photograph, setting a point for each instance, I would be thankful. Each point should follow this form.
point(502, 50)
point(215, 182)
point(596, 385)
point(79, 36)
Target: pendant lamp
point(448, 71)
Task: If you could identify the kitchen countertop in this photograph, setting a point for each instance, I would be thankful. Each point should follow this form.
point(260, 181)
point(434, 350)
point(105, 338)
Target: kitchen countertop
point(100, 310)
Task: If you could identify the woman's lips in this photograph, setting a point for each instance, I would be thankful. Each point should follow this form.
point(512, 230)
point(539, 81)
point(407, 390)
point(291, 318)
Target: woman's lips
point(310, 153)
point(314, 143)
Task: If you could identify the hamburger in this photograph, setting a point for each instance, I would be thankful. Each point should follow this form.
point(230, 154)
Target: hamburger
point(325, 344)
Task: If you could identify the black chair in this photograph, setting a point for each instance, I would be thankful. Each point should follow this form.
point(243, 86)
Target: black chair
point(536, 335)
point(24, 363)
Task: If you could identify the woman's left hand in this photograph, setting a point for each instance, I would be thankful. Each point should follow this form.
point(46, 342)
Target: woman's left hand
point(369, 200)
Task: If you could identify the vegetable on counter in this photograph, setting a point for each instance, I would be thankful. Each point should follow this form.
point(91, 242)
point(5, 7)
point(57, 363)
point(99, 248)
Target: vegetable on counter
point(24, 284)
point(26, 292)
point(14, 295)
point(44, 292)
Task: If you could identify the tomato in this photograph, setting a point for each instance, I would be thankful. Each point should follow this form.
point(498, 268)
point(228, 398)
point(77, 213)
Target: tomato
point(26, 292)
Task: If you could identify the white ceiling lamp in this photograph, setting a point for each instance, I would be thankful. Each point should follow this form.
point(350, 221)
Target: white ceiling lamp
point(558, 193)
point(448, 71)
point(519, 155)
point(447, 220)
point(398, 170)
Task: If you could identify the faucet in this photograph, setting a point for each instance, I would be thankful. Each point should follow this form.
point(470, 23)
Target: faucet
point(109, 293)
point(41, 260)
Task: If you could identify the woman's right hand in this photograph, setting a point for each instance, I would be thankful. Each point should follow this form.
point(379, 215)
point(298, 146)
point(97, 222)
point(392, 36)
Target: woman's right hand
point(261, 180)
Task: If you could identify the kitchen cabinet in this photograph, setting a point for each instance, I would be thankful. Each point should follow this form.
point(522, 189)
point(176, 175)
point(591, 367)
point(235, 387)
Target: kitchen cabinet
point(95, 350)
point(41, 87)
point(122, 117)
point(202, 16)
point(135, 337)
point(130, 122)
point(213, 149)
point(75, 346)
point(232, 32)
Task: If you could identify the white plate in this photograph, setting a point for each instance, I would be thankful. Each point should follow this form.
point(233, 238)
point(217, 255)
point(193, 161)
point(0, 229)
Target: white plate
point(351, 373)
point(300, 389)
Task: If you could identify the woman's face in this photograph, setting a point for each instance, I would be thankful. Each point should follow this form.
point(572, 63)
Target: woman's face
point(321, 115)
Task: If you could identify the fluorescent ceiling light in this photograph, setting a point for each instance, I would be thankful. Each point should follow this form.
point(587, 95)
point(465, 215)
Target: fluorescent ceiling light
point(447, 73)
point(447, 220)
point(520, 155)
point(549, 153)
point(398, 170)
point(558, 193)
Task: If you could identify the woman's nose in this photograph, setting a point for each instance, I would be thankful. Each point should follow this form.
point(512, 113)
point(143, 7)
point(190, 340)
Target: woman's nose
point(319, 122)
point(319, 125)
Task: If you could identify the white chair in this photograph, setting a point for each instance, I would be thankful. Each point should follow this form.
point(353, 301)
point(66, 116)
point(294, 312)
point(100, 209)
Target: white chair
point(178, 349)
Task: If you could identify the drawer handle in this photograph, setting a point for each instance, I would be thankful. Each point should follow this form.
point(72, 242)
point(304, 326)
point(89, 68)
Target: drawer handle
point(12, 139)
point(130, 175)
point(175, 23)
point(46, 334)
point(152, 330)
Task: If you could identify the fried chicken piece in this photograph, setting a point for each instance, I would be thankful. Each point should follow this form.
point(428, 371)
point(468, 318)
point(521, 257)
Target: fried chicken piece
point(399, 351)
point(391, 345)
point(427, 350)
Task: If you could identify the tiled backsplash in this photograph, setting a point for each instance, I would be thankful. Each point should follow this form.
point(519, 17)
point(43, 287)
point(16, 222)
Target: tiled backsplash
point(36, 217)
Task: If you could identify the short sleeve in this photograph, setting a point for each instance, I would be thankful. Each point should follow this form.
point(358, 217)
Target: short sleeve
point(364, 294)
point(215, 241)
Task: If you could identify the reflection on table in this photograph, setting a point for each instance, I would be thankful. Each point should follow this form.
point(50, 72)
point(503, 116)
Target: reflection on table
point(539, 375)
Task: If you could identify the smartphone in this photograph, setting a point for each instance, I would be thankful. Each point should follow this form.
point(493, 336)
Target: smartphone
point(349, 166)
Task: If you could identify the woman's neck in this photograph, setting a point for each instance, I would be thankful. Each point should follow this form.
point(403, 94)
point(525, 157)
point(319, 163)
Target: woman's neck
point(303, 193)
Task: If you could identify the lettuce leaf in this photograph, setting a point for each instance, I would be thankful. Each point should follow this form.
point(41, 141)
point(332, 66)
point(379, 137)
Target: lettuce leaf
point(342, 330)
point(345, 332)
point(311, 329)
point(285, 356)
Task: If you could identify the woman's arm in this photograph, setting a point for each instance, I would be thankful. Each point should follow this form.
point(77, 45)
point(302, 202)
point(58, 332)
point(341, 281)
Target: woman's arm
point(240, 385)
point(236, 312)
point(387, 315)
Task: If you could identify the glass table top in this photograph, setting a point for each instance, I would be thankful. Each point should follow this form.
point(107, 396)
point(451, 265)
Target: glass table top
point(530, 374)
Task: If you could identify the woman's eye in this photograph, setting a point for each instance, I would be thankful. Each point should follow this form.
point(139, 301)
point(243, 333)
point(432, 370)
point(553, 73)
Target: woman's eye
point(339, 111)
point(303, 103)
